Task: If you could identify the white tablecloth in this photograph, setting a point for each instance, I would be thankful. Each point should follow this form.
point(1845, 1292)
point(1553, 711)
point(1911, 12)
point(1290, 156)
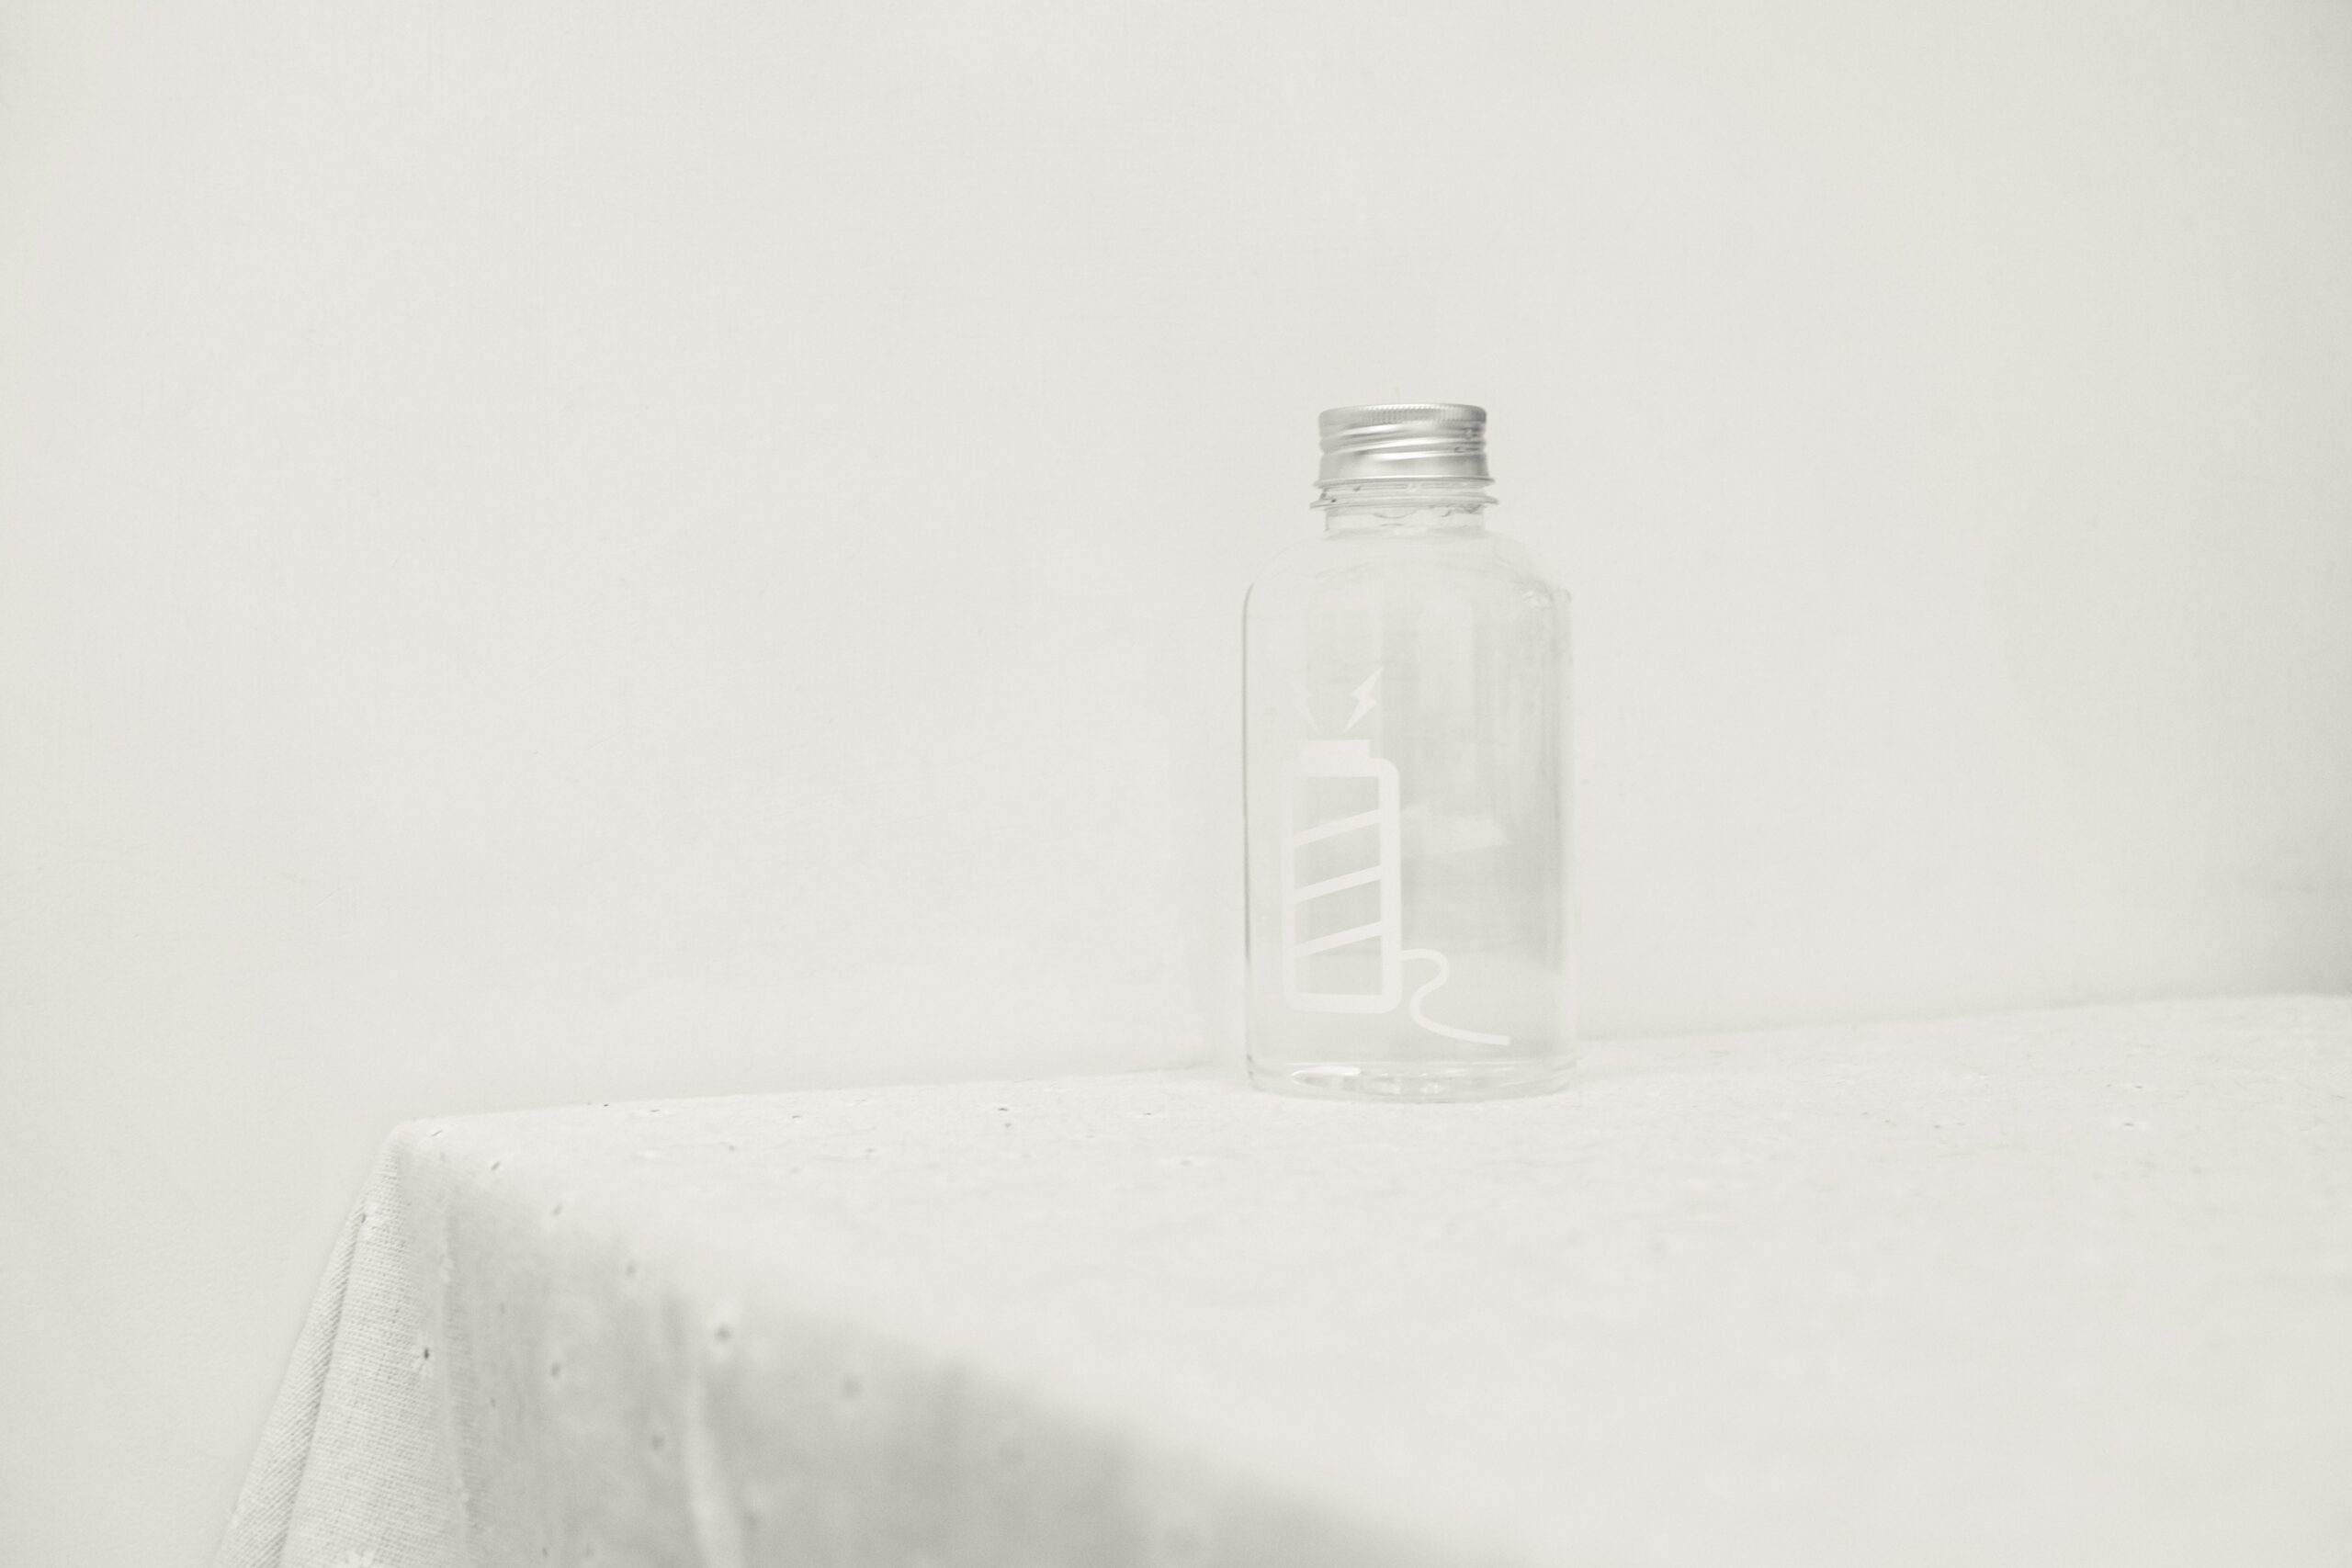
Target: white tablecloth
point(2062, 1288)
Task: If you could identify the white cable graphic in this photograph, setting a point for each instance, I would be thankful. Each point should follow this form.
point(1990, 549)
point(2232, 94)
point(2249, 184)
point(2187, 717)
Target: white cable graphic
point(1444, 971)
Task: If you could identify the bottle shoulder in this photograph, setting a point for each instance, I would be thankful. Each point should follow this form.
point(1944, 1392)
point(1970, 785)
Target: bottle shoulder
point(1475, 564)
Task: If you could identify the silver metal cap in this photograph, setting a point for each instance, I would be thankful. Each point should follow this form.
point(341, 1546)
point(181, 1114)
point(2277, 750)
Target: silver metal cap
point(1404, 441)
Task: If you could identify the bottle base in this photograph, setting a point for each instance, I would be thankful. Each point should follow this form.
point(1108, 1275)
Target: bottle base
point(1420, 1082)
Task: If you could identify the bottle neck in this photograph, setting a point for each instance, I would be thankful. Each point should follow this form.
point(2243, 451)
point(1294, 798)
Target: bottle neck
point(1404, 505)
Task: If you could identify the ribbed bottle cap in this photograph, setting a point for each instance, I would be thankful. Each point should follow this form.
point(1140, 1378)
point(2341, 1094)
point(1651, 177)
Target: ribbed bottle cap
point(1404, 441)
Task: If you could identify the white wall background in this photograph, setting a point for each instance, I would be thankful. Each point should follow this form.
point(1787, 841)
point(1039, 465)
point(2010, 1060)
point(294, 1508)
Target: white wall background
point(573, 551)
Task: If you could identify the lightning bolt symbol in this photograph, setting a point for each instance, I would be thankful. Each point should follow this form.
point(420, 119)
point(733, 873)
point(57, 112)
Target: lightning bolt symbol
point(1367, 696)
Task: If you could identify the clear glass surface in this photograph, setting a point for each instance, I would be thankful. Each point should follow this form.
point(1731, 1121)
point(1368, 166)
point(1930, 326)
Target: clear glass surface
point(1407, 739)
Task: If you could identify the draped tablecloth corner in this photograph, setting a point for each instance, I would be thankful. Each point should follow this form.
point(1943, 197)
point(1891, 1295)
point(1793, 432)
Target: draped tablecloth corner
point(2045, 1288)
point(355, 1447)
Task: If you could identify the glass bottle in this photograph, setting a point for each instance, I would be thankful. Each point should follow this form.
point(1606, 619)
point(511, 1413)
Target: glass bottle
point(1406, 761)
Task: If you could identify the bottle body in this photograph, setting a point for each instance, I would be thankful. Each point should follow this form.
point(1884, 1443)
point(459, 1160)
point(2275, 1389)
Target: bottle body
point(1406, 785)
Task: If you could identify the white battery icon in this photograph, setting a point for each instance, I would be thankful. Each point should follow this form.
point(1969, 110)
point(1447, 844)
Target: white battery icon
point(1358, 831)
